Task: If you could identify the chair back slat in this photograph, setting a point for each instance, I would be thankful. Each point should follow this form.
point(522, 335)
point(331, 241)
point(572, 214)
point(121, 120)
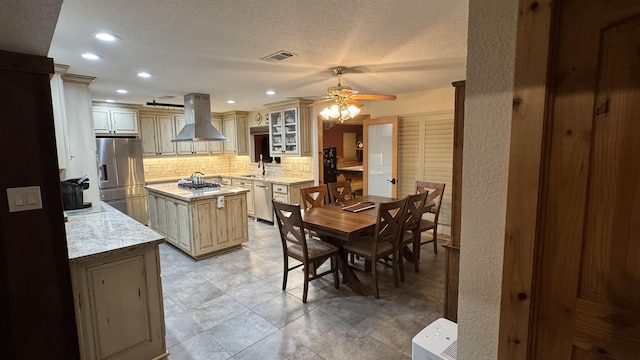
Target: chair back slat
point(314, 196)
point(339, 191)
point(414, 210)
point(290, 224)
point(390, 222)
point(436, 193)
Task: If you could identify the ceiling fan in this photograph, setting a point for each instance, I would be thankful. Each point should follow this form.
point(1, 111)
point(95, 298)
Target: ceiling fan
point(345, 100)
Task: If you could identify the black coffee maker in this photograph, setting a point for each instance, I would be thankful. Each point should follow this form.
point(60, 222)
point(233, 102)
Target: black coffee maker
point(72, 195)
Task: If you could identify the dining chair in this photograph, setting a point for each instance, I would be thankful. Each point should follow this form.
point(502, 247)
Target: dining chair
point(436, 193)
point(314, 196)
point(384, 241)
point(295, 244)
point(339, 191)
point(410, 233)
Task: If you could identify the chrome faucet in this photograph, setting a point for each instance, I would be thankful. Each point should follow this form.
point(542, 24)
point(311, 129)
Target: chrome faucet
point(261, 163)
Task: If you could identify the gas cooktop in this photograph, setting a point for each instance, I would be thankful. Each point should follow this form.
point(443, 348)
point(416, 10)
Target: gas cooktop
point(203, 186)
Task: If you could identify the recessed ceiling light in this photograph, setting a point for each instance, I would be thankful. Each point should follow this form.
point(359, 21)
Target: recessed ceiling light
point(231, 101)
point(271, 92)
point(122, 91)
point(144, 74)
point(109, 101)
point(91, 56)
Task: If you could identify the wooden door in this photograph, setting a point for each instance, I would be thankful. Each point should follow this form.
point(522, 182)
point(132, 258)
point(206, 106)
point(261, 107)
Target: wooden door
point(380, 163)
point(587, 294)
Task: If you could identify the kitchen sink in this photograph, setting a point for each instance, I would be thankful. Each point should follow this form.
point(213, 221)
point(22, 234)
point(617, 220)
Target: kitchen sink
point(252, 176)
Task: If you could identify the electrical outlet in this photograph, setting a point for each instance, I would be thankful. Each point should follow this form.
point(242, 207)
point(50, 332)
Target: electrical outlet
point(24, 198)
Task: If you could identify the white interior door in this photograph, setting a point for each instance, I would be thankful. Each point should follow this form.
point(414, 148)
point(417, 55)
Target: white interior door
point(381, 156)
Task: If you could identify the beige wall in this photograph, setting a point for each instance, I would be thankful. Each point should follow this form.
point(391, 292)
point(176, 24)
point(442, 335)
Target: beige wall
point(489, 89)
point(413, 103)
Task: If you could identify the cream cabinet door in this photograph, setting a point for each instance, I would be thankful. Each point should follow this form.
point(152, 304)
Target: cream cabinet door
point(165, 131)
point(229, 131)
point(204, 227)
point(161, 223)
point(124, 121)
point(148, 135)
point(172, 221)
point(184, 227)
point(118, 304)
point(237, 231)
point(153, 210)
point(101, 121)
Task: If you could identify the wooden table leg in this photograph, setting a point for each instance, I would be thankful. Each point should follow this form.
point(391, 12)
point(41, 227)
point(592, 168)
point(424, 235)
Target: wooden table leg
point(347, 271)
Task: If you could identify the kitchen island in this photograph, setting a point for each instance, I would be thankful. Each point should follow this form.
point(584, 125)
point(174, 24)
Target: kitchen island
point(115, 274)
point(201, 223)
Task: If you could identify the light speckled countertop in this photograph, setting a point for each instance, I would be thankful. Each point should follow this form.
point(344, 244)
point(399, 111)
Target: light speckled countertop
point(282, 180)
point(171, 189)
point(101, 229)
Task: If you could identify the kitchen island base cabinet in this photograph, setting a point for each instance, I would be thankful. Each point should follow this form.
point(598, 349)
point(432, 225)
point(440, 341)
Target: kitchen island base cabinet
point(217, 229)
point(118, 302)
point(199, 227)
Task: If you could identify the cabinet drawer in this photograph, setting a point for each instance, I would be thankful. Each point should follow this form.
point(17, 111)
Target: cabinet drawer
point(282, 189)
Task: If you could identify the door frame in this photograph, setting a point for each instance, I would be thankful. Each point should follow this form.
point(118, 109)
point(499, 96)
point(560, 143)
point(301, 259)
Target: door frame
point(534, 43)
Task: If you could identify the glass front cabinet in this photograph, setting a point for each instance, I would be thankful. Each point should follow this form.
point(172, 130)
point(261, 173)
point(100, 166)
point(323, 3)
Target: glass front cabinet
point(290, 129)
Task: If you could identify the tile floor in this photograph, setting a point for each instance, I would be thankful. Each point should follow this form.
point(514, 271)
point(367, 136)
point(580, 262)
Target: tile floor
point(232, 307)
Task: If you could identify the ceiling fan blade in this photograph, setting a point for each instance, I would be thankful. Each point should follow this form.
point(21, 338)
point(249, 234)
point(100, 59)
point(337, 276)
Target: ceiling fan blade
point(374, 97)
point(352, 101)
point(320, 101)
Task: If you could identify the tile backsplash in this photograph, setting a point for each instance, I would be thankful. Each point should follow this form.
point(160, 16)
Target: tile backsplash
point(183, 166)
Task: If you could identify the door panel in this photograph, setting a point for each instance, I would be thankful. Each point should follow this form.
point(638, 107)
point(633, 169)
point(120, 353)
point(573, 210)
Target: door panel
point(381, 157)
point(588, 301)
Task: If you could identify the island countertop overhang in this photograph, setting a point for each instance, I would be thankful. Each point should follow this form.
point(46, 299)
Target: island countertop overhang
point(172, 190)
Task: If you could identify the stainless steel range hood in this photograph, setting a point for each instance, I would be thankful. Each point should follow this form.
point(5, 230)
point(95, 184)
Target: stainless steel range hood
point(197, 116)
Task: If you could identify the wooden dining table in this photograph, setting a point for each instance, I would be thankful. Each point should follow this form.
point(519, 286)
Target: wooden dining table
point(337, 226)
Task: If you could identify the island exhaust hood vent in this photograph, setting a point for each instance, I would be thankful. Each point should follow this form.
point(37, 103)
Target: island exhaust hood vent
point(197, 116)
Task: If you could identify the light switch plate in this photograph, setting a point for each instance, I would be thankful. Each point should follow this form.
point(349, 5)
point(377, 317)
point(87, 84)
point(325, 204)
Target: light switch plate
point(220, 202)
point(24, 198)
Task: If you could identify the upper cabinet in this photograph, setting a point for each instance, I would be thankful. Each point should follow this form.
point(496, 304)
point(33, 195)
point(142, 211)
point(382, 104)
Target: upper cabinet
point(290, 128)
point(216, 147)
point(235, 128)
point(156, 131)
point(119, 120)
point(59, 115)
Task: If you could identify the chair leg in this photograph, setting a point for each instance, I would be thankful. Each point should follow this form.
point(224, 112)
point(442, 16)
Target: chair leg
point(334, 267)
point(286, 272)
point(306, 283)
point(416, 251)
point(395, 268)
point(435, 239)
point(375, 279)
point(400, 262)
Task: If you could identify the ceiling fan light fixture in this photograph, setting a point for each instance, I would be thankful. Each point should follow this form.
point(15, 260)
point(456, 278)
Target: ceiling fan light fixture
point(330, 112)
point(340, 111)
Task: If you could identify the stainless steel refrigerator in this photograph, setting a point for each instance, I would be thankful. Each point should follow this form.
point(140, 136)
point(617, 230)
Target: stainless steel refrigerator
point(121, 176)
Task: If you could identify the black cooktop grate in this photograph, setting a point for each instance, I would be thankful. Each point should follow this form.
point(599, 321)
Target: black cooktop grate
point(203, 186)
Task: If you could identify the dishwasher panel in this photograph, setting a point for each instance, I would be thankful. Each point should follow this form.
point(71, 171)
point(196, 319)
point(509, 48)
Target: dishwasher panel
point(263, 204)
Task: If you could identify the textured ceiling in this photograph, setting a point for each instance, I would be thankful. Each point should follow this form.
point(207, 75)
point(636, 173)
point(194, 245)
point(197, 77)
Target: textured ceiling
point(214, 47)
point(26, 26)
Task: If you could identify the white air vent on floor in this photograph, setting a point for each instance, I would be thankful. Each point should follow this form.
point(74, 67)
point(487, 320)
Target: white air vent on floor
point(278, 56)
